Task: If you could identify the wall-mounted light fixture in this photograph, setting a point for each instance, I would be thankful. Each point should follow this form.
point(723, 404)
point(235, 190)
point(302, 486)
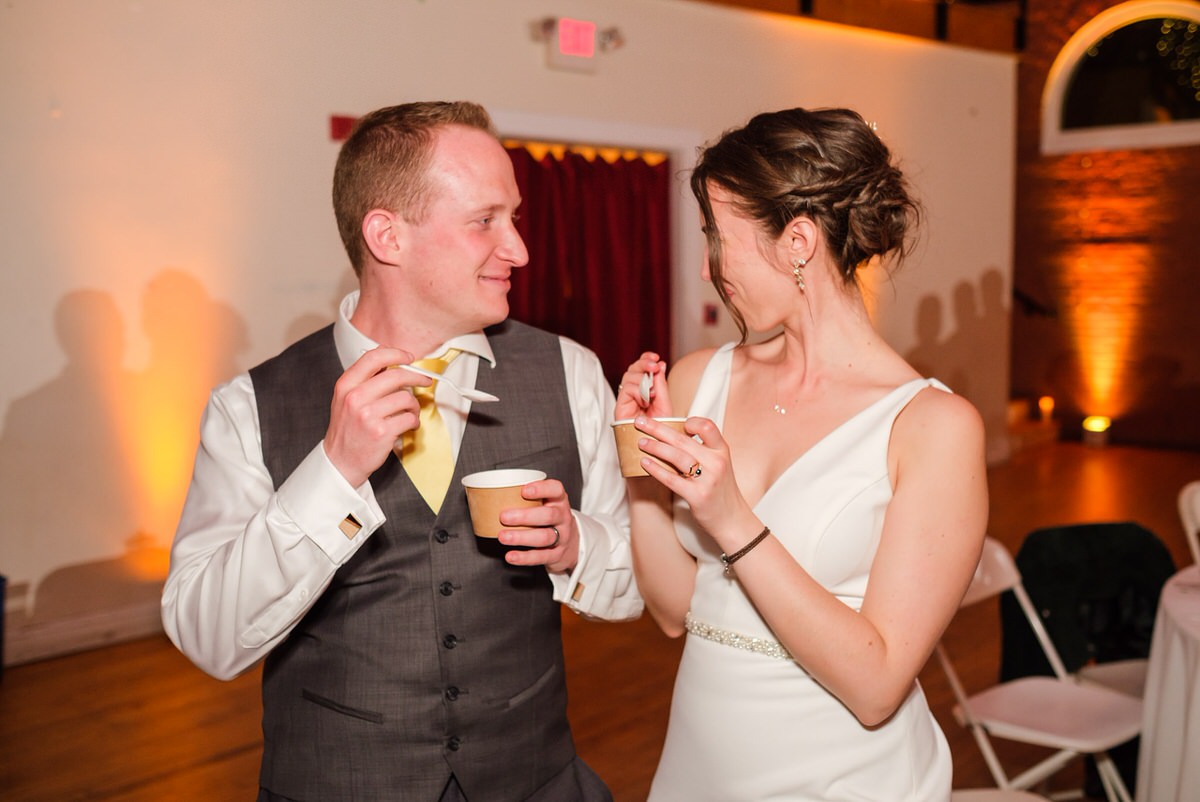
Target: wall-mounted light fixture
point(572, 44)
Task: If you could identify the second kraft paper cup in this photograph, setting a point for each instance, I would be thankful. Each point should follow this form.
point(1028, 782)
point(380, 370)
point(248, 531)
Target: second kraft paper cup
point(489, 492)
point(627, 444)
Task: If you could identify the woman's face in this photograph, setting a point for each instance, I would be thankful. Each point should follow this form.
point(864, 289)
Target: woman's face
point(751, 277)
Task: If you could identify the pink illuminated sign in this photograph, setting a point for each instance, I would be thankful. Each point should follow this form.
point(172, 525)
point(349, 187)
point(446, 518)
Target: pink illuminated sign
point(576, 37)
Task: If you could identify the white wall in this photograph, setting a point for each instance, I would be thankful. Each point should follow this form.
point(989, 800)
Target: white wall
point(174, 159)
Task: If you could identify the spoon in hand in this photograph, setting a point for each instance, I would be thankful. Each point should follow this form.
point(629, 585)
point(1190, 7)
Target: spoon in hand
point(478, 396)
point(644, 388)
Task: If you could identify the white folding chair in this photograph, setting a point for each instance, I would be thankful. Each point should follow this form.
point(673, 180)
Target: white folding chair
point(1189, 514)
point(1054, 712)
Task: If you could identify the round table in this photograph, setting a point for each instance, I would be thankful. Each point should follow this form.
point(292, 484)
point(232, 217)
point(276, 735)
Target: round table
point(1168, 768)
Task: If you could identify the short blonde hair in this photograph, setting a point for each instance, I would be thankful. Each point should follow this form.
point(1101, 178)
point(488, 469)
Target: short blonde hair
point(384, 164)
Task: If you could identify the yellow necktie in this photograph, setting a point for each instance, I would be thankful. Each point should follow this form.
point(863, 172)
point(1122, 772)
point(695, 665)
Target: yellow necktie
point(426, 453)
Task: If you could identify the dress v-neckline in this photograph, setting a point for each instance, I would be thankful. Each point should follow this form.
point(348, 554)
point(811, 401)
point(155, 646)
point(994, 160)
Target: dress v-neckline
point(821, 440)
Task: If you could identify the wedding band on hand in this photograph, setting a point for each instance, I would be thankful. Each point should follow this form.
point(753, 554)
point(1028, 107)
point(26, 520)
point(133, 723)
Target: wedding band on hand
point(557, 537)
point(694, 471)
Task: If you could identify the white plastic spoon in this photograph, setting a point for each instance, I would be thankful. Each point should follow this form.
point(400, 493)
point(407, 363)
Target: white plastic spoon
point(478, 396)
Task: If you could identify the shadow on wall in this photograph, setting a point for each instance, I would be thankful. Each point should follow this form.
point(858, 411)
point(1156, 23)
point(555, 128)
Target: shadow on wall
point(978, 333)
point(96, 463)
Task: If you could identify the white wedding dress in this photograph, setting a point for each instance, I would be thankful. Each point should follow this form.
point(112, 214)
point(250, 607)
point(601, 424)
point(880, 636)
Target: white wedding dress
point(747, 723)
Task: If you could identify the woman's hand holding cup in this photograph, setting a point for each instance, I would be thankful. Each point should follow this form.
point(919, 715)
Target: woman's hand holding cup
point(642, 394)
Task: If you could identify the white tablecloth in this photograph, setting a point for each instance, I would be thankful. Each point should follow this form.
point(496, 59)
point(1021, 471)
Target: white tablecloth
point(1169, 756)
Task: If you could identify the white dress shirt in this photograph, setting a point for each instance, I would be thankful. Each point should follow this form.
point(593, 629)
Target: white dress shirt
point(249, 561)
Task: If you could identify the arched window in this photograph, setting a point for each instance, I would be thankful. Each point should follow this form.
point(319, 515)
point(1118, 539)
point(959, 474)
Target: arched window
point(1129, 78)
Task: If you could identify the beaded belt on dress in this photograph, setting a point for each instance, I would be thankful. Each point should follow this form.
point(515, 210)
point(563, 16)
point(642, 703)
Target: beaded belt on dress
point(737, 640)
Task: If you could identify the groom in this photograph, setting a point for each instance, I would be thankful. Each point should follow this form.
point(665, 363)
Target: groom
point(404, 657)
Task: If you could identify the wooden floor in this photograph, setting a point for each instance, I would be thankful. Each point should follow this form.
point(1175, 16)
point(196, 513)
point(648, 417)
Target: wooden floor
point(136, 721)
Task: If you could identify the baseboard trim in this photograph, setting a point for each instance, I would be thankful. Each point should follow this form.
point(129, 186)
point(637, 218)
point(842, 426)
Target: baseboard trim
point(27, 641)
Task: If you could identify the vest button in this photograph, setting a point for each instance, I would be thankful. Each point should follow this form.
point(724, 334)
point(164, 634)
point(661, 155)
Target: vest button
point(441, 536)
point(450, 641)
point(446, 589)
point(452, 693)
point(454, 743)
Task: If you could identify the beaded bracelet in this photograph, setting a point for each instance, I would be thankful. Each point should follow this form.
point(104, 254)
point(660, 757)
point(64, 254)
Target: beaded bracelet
point(728, 562)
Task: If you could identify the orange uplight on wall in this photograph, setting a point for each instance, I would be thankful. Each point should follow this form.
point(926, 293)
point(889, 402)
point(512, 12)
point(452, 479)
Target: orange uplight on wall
point(194, 340)
point(163, 448)
point(1104, 289)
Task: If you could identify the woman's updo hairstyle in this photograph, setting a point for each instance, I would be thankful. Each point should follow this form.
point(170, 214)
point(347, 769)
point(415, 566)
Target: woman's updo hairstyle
point(826, 164)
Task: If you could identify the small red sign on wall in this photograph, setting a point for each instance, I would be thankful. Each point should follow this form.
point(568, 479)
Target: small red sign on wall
point(576, 37)
point(572, 45)
point(340, 126)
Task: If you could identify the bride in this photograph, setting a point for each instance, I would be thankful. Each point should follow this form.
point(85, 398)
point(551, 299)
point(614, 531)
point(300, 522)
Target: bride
point(816, 527)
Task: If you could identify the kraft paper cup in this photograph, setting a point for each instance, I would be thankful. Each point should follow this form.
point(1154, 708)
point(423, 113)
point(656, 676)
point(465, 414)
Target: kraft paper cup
point(489, 492)
point(627, 444)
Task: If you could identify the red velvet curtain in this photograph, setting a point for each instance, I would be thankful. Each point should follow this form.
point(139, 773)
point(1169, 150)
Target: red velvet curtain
point(599, 267)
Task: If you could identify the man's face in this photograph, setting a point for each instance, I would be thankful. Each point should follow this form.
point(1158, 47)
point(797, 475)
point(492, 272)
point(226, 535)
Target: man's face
point(458, 260)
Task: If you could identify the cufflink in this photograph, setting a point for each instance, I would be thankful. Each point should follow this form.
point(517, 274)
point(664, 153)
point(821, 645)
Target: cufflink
point(577, 594)
point(350, 526)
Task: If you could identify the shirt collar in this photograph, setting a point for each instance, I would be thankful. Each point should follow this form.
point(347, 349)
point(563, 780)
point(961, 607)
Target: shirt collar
point(352, 343)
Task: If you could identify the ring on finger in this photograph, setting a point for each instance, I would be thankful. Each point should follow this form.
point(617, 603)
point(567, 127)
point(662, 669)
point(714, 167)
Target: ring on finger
point(694, 471)
point(557, 538)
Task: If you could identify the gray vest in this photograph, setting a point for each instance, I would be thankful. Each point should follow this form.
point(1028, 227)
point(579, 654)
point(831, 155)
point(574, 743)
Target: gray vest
point(428, 654)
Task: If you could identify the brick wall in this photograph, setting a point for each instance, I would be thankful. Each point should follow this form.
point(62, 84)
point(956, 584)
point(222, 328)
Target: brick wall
point(1108, 242)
